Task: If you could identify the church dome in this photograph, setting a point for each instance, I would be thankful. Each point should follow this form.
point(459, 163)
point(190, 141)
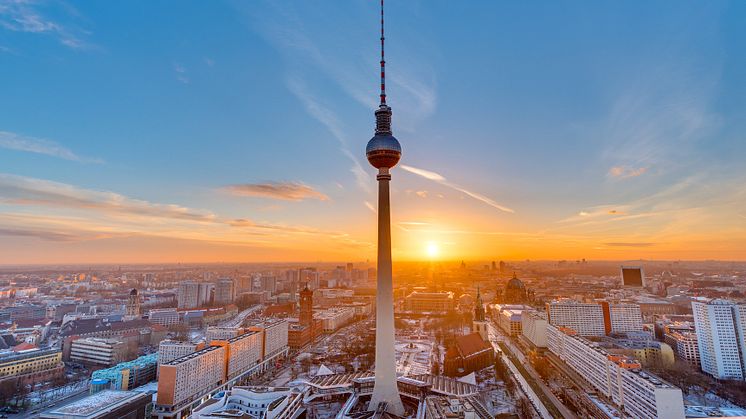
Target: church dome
point(515, 284)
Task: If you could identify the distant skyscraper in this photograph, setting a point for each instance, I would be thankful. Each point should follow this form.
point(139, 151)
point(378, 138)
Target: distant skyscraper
point(383, 152)
point(721, 328)
point(188, 294)
point(633, 276)
point(225, 291)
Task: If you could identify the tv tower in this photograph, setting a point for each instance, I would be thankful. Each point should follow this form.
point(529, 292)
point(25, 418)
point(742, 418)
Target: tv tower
point(383, 152)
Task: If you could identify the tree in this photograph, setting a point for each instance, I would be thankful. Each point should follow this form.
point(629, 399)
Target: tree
point(523, 408)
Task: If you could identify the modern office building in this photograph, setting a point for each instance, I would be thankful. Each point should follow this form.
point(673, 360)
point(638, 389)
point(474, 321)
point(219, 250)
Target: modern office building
point(218, 332)
point(534, 327)
point(335, 318)
point(242, 352)
point(429, 302)
point(128, 375)
point(188, 294)
point(632, 276)
point(168, 350)
point(721, 338)
point(586, 319)
point(225, 291)
point(183, 380)
point(617, 377)
point(164, 317)
point(98, 351)
point(683, 341)
point(622, 317)
point(274, 336)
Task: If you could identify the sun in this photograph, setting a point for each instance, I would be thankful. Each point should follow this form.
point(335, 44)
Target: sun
point(432, 249)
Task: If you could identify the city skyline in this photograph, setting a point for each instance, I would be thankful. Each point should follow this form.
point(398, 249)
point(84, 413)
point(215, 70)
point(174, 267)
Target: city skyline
point(233, 133)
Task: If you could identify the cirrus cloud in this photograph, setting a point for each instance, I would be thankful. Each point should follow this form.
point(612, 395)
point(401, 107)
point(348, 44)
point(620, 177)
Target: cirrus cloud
point(286, 191)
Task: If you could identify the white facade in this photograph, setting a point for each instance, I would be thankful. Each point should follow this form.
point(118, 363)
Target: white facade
point(620, 379)
point(625, 317)
point(259, 402)
point(188, 294)
point(719, 325)
point(335, 318)
point(185, 378)
point(685, 346)
point(164, 317)
point(225, 291)
point(99, 351)
point(275, 336)
point(587, 319)
point(168, 350)
point(244, 352)
point(535, 327)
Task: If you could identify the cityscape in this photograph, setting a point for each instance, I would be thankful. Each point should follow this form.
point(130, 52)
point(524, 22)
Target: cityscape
point(161, 258)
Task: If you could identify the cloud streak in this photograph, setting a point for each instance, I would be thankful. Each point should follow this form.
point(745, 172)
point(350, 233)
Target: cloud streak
point(287, 191)
point(625, 172)
point(23, 16)
point(436, 177)
point(13, 141)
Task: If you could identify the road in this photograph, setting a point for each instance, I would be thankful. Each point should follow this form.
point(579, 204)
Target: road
point(515, 351)
point(497, 337)
point(240, 317)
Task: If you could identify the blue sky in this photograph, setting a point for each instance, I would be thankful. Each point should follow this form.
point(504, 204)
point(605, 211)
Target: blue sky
point(530, 130)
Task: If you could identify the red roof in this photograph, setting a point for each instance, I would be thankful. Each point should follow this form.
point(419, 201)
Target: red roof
point(471, 344)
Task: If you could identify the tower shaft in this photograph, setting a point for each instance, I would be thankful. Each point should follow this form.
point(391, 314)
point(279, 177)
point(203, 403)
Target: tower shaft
point(385, 389)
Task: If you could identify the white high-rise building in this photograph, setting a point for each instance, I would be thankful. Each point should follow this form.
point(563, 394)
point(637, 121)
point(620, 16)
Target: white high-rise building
point(624, 317)
point(720, 326)
point(225, 291)
point(188, 294)
point(621, 379)
point(587, 319)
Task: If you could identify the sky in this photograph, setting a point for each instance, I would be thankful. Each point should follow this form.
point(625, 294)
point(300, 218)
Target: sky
point(234, 131)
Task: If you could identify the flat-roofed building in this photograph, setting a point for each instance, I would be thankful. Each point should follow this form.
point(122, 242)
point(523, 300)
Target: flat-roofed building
point(98, 351)
point(619, 378)
point(31, 365)
point(164, 317)
point(242, 352)
point(275, 336)
point(429, 302)
point(335, 318)
point(131, 374)
point(586, 319)
point(168, 350)
point(684, 344)
point(188, 378)
point(217, 332)
point(534, 327)
point(106, 404)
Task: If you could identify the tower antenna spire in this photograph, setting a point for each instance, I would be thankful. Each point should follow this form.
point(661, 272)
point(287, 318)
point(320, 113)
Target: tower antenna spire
point(383, 63)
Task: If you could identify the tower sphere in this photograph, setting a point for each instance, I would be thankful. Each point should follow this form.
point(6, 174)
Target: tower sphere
point(383, 151)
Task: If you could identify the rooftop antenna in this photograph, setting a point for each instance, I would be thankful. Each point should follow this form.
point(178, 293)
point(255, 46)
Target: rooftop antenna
point(383, 63)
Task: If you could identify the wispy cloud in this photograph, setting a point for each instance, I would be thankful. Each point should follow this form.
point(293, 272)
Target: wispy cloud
point(181, 73)
point(21, 190)
point(288, 191)
point(62, 212)
point(25, 16)
point(13, 141)
point(629, 244)
point(624, 172)
point(370, 207)
point(329, 119)
point(413, 78)
point(436, 177)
